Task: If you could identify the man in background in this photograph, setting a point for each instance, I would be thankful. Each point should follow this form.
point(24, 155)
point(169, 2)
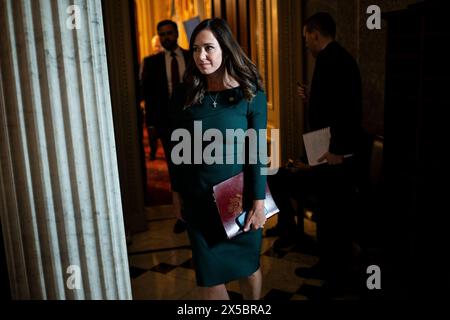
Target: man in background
point(161, 73)
point(334, 101)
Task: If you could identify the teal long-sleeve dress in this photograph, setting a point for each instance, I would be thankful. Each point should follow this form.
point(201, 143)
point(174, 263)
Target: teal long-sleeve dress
point(217, 260)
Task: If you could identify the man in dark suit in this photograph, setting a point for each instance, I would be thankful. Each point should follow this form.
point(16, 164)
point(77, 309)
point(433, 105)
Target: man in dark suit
point(161, 73)
point(334, 101)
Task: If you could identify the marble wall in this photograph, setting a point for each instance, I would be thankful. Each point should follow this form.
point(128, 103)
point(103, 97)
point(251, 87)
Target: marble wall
point(367, 46)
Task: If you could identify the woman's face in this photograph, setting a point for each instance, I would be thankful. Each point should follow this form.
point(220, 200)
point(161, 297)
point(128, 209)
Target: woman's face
point(207, 52)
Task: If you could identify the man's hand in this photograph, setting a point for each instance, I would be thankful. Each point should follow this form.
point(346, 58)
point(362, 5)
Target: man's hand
point(296, 165)
point(302, 92)
point(256, 217)
point(332, 158)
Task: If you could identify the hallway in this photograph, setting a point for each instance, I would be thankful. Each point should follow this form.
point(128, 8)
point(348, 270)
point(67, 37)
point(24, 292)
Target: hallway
point(71, 182)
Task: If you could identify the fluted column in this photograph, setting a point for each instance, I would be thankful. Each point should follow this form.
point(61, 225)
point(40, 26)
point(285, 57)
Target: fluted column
point(60, 202)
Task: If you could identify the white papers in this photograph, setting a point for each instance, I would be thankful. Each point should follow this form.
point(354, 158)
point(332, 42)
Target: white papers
point(317, 144)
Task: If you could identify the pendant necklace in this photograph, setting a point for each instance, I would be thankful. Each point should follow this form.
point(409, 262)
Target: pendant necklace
point(214, 100)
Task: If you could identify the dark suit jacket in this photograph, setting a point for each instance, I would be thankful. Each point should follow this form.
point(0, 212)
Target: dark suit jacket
point(335, 98)
point(155, 91)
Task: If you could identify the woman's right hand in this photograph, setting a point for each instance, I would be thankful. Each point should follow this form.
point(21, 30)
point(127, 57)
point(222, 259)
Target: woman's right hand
point(256, 217)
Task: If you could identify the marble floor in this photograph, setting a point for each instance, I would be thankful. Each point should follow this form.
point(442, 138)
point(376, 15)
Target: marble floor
point(161, 268)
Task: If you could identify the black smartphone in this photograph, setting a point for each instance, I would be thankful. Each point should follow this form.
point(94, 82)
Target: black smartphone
point(240, 220)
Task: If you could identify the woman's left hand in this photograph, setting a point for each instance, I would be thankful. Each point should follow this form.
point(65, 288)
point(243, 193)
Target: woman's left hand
point(256, 217)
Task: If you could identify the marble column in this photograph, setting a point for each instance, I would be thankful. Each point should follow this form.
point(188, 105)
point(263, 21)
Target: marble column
point(60, 202)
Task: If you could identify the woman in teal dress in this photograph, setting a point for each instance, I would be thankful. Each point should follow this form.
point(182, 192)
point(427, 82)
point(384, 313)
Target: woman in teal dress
point(222, 91)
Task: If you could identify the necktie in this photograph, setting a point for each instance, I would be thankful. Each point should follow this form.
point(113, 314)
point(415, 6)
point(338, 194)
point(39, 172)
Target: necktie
point(175, 73)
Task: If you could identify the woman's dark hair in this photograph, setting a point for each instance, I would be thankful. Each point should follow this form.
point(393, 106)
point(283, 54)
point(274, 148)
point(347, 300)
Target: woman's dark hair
point(234, 61)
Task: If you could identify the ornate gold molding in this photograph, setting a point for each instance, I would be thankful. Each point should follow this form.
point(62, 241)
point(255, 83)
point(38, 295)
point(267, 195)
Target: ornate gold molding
point(265, 44)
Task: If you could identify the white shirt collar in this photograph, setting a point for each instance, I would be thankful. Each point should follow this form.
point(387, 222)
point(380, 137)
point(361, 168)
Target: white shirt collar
point(177, 51)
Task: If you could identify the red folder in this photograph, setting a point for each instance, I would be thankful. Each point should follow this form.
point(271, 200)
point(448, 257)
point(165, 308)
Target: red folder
point(229, 196)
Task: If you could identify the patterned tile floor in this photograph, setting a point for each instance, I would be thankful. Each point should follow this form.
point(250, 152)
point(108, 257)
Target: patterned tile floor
point(161, 267)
